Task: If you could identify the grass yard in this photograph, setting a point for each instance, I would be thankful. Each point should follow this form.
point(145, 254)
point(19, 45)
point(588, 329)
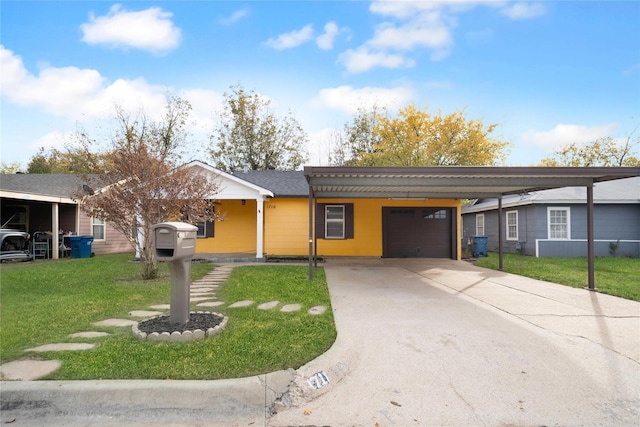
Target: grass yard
point(614, 276)
point(44, 302)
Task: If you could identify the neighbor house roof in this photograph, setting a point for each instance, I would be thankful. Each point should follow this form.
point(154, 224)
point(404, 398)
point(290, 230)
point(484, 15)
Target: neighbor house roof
point(622, 191)
point(43, 187)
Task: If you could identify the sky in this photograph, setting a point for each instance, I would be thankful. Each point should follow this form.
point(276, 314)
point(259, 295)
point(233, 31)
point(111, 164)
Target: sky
point(549, 73)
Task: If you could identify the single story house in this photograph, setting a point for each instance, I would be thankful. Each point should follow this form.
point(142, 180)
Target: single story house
point(328, 211)
point(553, 223)
point(43, 205)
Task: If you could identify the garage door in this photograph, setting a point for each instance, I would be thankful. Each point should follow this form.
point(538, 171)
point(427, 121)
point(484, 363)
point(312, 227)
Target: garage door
point(416, 232)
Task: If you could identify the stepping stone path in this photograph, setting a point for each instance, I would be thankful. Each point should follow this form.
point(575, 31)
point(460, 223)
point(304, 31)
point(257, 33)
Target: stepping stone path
point(202, 291)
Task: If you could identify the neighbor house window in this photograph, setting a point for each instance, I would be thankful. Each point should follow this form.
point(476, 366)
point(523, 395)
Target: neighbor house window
point(97, 227)
point(512, 225)
point(559, 223)
point(480, 225)
point(334, 222)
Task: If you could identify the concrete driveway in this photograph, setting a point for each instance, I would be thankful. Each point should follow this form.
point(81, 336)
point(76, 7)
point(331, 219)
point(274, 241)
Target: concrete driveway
point(439, 342)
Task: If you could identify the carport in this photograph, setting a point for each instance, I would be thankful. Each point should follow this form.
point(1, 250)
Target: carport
point(456, 182)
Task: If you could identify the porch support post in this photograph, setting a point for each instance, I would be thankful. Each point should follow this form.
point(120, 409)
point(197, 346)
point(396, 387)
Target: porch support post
point(310, 233)
point(500, 255)
point(590, 236)
point(55, 227)
point(260, 228)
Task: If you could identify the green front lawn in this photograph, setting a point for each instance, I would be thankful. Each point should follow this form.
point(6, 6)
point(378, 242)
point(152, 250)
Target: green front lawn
point(43, 302)
point(615, 276)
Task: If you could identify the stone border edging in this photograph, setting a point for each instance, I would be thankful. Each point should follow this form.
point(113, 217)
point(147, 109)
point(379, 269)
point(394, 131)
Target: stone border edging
point(182, 336)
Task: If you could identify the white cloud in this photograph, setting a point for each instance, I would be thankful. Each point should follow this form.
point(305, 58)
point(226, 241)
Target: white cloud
point(150, 29)
point(55, 139)
point(349, 99)
point(364, 59)
point(325, 41)
point(563, 134)
point(423, 24)
point(73, 92)
point(235, 17)
point(522, 10)
point(291, 39)
point(427, 30)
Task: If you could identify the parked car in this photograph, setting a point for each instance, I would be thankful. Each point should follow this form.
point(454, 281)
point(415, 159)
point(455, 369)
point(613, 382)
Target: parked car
point(14, 245)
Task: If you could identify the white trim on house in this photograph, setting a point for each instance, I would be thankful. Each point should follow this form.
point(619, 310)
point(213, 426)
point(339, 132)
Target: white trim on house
point(568, 224)
point(478, 216)
point(231, 187)
point(506, 222)
point(578, 240)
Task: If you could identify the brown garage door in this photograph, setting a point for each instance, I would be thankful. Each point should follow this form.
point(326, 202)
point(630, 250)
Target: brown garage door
point(416, 232)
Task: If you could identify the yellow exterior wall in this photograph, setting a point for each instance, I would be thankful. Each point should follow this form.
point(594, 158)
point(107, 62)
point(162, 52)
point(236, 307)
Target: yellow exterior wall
point(367, 233)
point(286, 227)
point(236, 232)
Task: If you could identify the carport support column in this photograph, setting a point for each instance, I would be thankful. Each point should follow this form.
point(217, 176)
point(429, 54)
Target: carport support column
point(500, 255)
point(590, 237)
point(260, 228)
point(55, 227)
point(310, 233)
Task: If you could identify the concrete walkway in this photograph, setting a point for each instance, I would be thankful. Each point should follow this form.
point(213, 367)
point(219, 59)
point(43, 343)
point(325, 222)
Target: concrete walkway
point(438, 342)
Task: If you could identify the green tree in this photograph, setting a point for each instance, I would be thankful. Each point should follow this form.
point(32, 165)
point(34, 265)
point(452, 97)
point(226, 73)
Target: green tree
point(417, 138)
point(604, 151)
point(72, 160)
point(144, 185)
point(358, 140)
point(10, 168)
point(251, 136)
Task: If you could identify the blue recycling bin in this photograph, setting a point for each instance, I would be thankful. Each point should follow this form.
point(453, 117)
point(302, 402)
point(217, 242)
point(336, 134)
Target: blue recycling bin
point(480, 246)
point(81, 246)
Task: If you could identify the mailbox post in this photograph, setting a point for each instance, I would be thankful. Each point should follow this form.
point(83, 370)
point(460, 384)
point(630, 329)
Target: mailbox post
point(175, 242)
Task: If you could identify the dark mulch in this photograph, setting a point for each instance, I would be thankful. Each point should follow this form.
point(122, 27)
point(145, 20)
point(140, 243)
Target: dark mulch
point(202, 321)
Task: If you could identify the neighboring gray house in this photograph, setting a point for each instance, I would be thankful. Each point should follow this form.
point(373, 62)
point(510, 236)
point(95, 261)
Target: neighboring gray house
point(553, 223)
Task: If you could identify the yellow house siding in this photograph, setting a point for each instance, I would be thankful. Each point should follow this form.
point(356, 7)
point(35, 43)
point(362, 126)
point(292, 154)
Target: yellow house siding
point(286, 227)
point(367, 217)
point(236, 232)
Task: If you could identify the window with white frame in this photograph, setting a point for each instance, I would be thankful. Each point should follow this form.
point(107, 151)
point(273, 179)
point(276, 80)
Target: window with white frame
point(480, 225)
point(97, 228)
point(334, 222)
point(559, 223)
point(512, 225)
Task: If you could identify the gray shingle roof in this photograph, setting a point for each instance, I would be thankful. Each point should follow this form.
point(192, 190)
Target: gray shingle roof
point(57, 185)
point(280, 183)
point(619, 191)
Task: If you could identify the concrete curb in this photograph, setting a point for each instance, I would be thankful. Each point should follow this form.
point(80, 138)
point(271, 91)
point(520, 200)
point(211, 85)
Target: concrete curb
point(122, 402)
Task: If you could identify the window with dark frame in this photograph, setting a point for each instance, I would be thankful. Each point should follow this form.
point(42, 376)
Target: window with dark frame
point(334, 221)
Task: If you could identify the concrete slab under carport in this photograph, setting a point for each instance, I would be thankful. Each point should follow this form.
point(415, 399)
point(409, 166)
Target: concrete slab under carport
point(441, 342)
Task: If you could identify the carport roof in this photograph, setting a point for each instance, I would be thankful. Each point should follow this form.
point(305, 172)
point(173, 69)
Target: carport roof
point(452, 182)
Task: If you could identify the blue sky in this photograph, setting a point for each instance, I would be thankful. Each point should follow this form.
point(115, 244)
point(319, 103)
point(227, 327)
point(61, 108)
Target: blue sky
point(550, 73)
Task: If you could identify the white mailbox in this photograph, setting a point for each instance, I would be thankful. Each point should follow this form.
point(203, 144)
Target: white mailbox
point(174, 240)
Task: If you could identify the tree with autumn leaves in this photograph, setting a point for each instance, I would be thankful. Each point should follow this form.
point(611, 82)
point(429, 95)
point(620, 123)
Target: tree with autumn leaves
point(418, 138)
point(144, 184)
